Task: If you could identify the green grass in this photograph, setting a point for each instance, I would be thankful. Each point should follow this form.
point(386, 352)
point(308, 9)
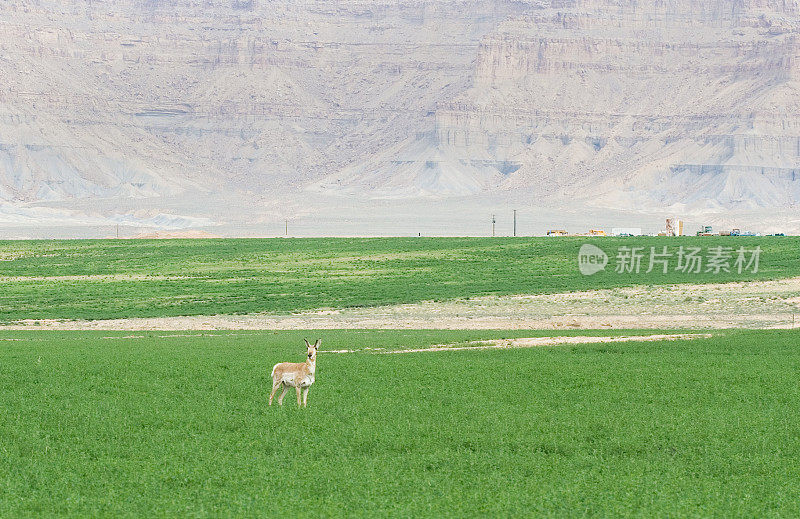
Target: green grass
point(178, 426)
point(237, 276)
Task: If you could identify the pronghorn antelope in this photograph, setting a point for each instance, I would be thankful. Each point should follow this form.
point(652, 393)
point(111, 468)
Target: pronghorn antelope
point(299, 376)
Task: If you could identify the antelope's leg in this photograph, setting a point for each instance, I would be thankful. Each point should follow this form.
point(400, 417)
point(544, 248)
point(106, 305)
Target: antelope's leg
point(274, 390)
point(283, 394)
point(297, 387)
point(305, 396)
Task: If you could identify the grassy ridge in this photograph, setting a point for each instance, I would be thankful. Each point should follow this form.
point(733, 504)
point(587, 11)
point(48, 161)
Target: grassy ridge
point(166, 426)
point(110, 279)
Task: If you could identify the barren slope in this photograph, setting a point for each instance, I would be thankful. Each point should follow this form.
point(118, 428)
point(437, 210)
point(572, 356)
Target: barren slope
point(242, 113)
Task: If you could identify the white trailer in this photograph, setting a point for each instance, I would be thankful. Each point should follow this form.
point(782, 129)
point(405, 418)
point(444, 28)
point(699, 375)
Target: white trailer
point(626, 231)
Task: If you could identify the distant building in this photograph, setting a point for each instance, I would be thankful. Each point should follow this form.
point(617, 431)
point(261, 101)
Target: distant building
point(557, 232)
point(626, 231)
point(706, 230)
point(674, 227)
point(671, 227)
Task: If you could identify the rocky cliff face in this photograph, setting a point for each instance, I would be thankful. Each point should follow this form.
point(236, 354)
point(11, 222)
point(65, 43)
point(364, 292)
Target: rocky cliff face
point(163, 99)
point(690, 105)
point(685, 105)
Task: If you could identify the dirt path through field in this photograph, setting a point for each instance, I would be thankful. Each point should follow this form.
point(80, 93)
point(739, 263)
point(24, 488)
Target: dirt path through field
point(533, 342)
point(759, 305)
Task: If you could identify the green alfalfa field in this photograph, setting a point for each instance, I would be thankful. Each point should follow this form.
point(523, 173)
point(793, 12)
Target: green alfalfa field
point(176, 423)
point(103, 279)
point(155, 424)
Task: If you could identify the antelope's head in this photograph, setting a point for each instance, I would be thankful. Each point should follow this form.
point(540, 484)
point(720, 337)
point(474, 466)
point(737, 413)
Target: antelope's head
point(312, 350)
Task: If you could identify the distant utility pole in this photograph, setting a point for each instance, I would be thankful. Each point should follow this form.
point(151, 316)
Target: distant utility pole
point(493, 222)
point(286, 222)
point(118, 231)
point(515, 222)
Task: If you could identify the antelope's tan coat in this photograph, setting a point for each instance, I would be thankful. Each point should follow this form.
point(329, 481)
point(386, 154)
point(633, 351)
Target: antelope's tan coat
point(297, 375)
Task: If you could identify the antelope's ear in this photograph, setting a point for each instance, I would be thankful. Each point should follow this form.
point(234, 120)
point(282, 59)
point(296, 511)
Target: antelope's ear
point(316, 344)
point(307, 344)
